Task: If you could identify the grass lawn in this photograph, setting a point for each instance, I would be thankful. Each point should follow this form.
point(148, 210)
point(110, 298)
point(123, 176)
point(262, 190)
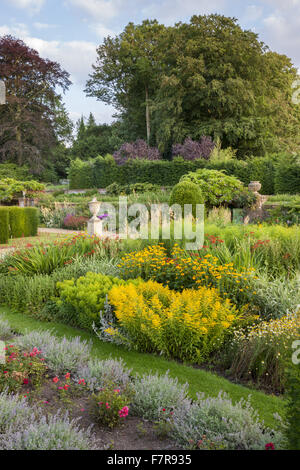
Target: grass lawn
point(198, 380)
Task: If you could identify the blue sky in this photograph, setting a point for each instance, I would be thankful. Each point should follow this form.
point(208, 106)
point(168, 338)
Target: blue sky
point(69, 31)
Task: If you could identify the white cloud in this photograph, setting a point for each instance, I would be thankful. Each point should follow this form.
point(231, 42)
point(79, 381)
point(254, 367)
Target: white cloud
point(98, 9)
point(41, 26)
point(253, 13)
point(33, 6)
point(18, 30)
point(102, 31)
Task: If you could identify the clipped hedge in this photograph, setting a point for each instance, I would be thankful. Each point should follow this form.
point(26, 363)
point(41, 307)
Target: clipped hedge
point(23, 221)
point(276, 174)
point(4, 225)
point(287, 175)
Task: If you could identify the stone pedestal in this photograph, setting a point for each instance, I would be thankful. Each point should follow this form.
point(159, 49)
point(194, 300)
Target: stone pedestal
point(94, 227)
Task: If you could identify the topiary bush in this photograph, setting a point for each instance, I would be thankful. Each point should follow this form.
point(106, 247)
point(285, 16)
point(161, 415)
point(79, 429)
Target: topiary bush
point(4, 225)
point(187, 193)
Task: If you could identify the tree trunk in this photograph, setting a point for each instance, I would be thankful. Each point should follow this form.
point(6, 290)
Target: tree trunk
point(147, 115)
point(19, 137)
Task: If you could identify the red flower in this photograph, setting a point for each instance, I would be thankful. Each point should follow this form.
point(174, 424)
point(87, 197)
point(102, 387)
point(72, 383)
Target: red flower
point(55, 380)
point(25, 381)
point(270, 446)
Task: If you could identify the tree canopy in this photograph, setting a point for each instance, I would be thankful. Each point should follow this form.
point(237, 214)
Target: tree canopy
point(206, 77)
point(33, 118)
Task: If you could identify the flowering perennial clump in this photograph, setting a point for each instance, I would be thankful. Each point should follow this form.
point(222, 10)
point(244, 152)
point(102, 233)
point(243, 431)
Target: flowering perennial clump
point(263, 351)
point(186, 325)
point(185, 271)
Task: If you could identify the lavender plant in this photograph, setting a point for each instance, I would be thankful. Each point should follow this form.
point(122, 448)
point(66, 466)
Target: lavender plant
point(57, 432)
point(154, 393)
point(61, 355)
point(98, 373)
point(228, 425)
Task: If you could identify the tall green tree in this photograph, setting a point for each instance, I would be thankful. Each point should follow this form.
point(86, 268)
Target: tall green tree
point(204, 77)
point(127, 73)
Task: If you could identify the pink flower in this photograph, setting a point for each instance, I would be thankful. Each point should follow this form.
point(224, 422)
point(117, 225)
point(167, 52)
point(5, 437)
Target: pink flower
point(55, 380)
point(117, 390)
point(68, 375)
point(123, 412)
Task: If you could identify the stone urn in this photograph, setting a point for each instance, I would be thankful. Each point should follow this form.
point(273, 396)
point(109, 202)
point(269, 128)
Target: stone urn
point(254, 186)
point(94, 224)
point(94, 207)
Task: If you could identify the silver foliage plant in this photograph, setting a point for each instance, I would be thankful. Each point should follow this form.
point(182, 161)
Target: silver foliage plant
point(61, 355)
point(98, 373)
point(230, 426)
point(156, 392)
point(15, 412)
point(56, 432)
point(5, 329)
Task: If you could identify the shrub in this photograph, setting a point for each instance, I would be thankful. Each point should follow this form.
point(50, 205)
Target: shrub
point(61, 355)
point(99, 373)
point(136, 150)
point(5, 330)
point(4, 225)
point(184, 270)
point(30, 294)
point(262, 352)
point(193, 150)
point(217, 188)
point(187, 326)
point(230, 426)
point(14, 412)
point(110, 405)
point(21, 368)
point(293, 410)
point(152, 393)
point(85, 297)
point(23, 221)
point(73, 222)
point(187, 193)
point(287, 175)
point(55, 432)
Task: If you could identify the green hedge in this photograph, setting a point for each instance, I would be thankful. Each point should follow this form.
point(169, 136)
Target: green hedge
point(103, 171)
point(287, 175)
point(4, 225)
point(23, 221)
point(16, 222)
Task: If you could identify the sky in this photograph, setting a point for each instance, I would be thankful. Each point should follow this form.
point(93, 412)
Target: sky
point(69, 31)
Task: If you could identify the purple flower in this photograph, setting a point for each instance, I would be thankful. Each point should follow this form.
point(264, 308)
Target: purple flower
point(102, 216)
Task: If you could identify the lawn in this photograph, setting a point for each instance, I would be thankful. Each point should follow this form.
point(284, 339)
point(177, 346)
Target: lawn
point(199, 381)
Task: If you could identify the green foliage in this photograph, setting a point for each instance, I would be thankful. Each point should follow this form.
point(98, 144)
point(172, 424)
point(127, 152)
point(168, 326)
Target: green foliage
point(10, 188)
point(16, 172)
point(84, 298)
point(187, 193)
point(293, 415)
point(111, 405)
point(4, 224)
point(287, 175)
point(80, 174)
point(176, 73)
point(23, 221)
point(217, 188)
